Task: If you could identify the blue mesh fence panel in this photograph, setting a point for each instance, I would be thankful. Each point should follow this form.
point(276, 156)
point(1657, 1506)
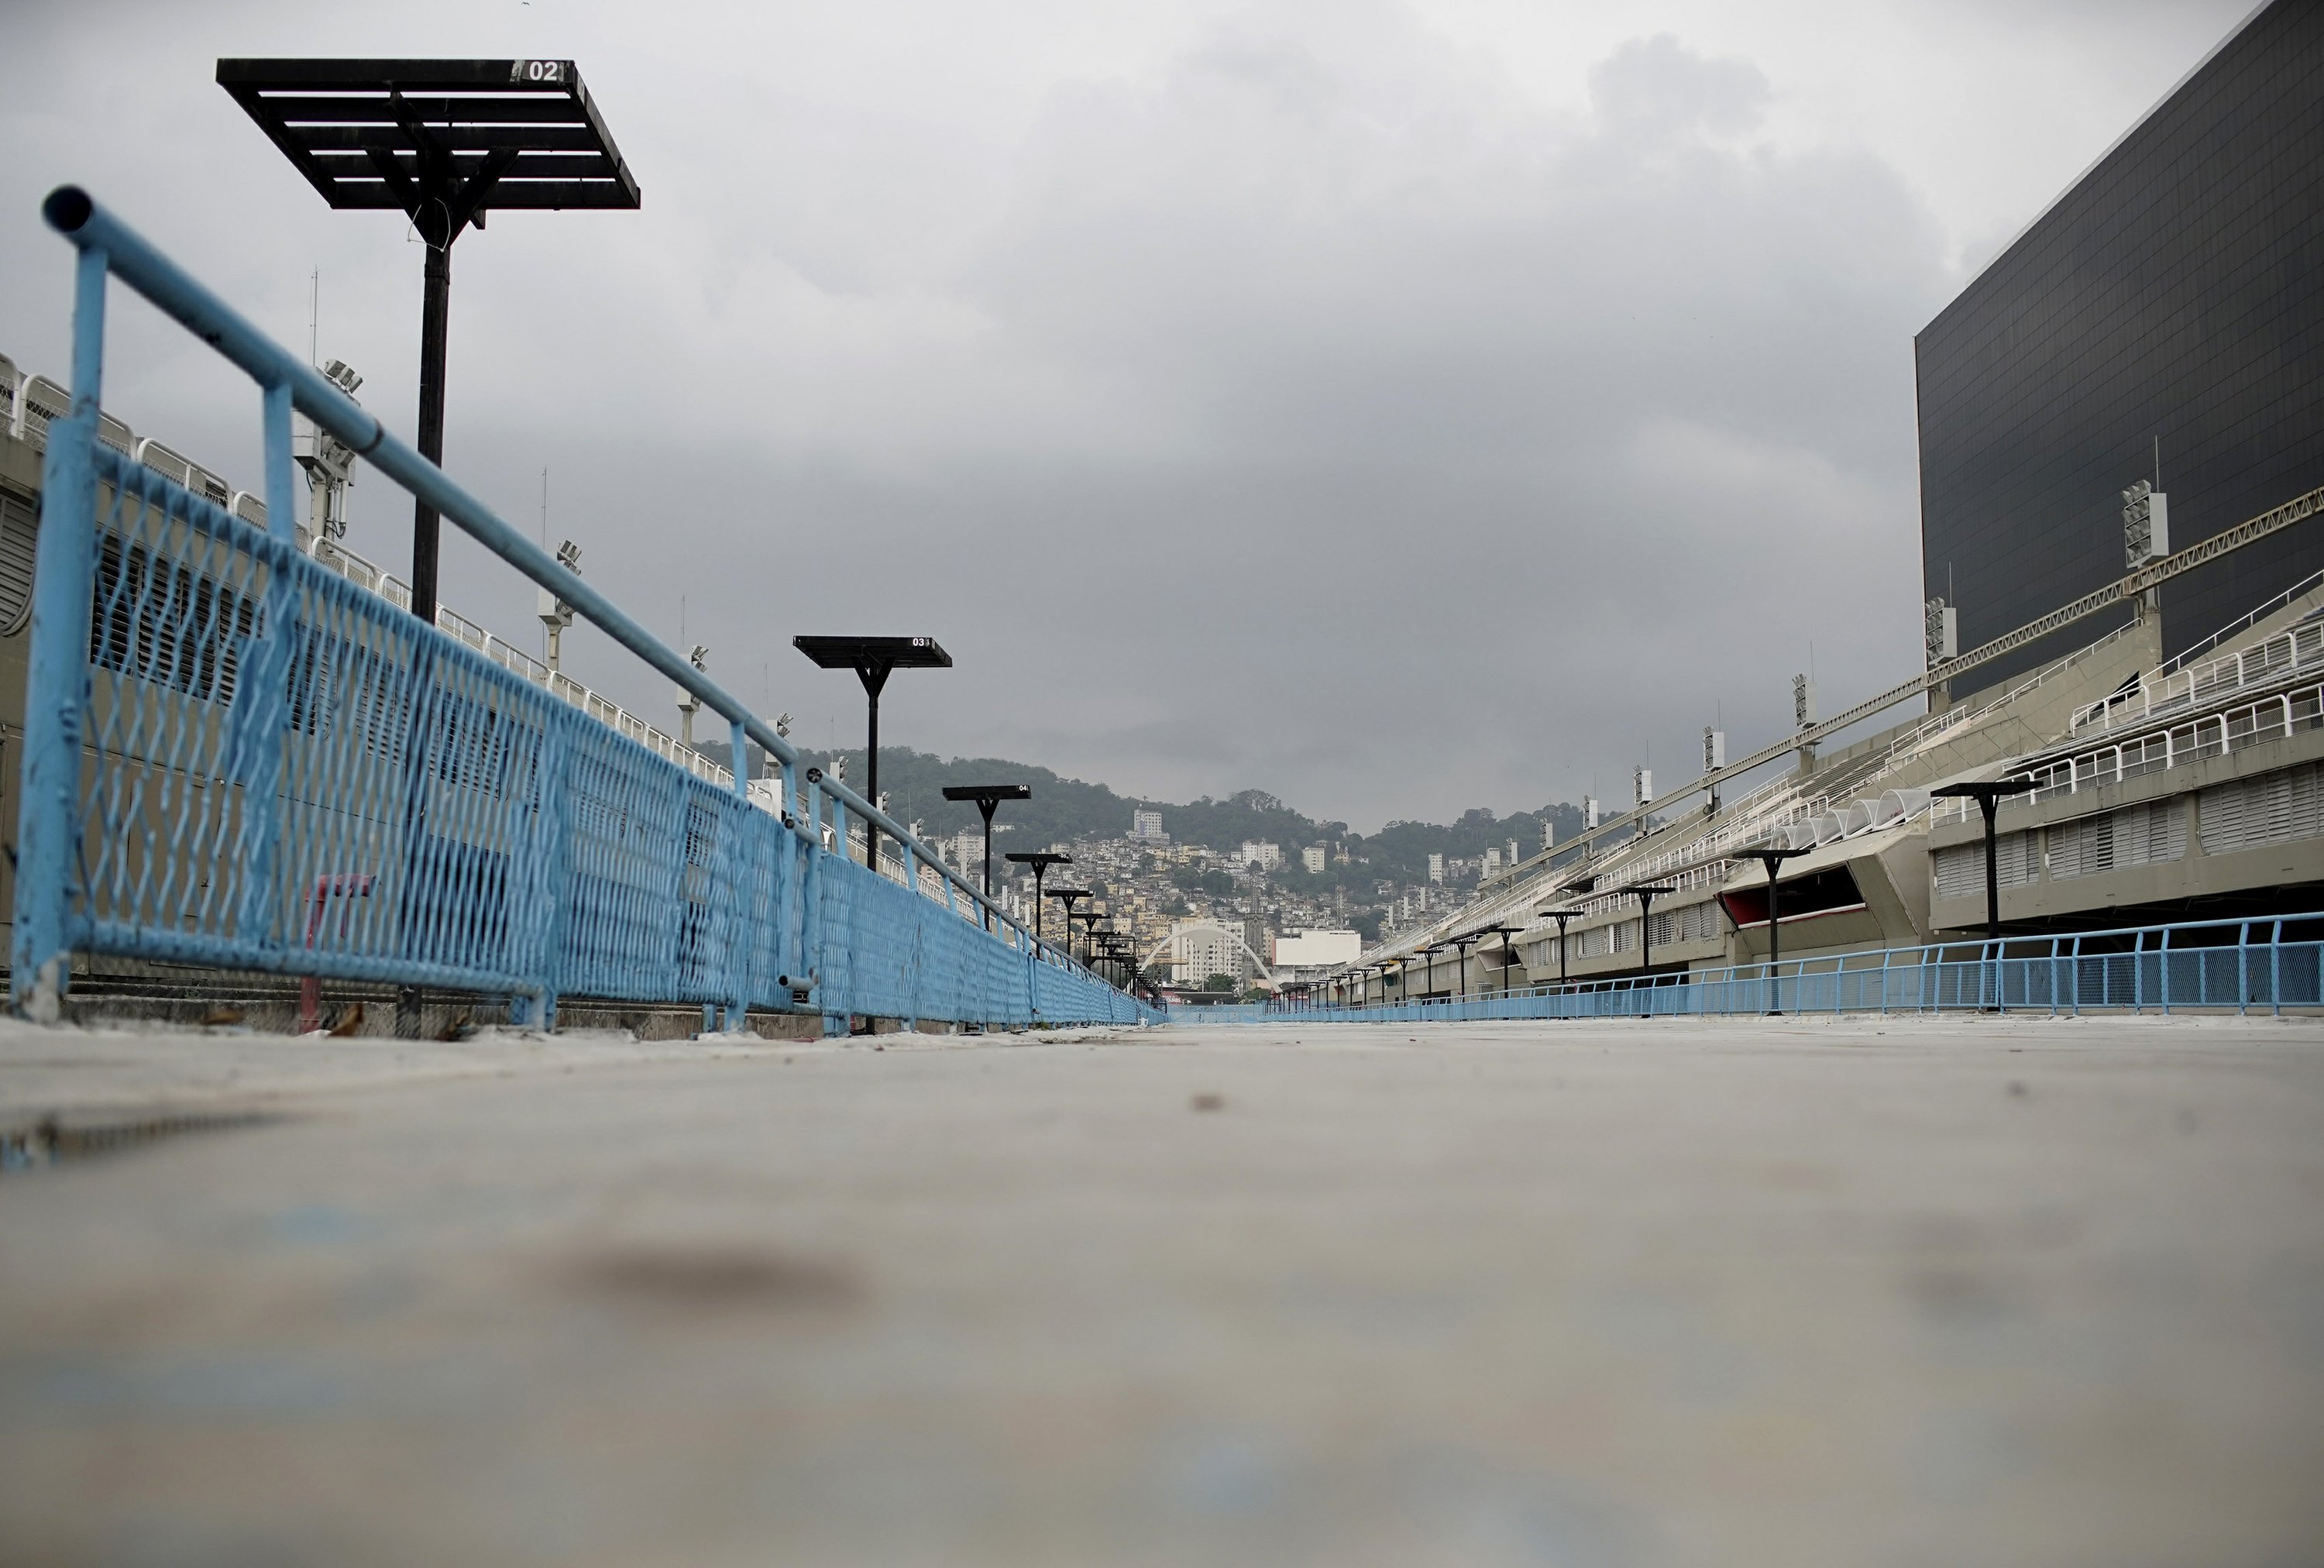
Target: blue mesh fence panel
point(260, 765)
point(2212, 966)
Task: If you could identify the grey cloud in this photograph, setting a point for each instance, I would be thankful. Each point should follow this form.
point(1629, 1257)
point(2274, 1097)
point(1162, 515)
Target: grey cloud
point(1302, 405)
point(1656, 88)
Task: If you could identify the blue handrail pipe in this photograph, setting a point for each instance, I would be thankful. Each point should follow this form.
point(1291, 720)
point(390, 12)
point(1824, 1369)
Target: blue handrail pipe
point(225, 741)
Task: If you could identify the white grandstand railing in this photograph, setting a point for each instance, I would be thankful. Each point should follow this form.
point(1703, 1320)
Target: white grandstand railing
point(2275, 717)
point(1777, 806)
point(1777, 811)
point(2243, 623)
point(2287, 653)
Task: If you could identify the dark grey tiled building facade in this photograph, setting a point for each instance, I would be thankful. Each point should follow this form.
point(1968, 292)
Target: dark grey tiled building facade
point(2174, 295)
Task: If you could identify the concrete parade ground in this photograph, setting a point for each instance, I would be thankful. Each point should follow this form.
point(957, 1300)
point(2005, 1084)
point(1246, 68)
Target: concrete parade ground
point(1903, 1291)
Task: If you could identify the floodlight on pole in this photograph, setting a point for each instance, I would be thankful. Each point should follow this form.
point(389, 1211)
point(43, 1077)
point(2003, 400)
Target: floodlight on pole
point(873, 659)
point(987, 797)
point(330, 464)
point(689, 705)
point(445, 143)
point(1040, 860)
point(556, 615)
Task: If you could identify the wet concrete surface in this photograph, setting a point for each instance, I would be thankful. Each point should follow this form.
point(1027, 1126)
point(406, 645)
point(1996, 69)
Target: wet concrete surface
point(1786, 1292)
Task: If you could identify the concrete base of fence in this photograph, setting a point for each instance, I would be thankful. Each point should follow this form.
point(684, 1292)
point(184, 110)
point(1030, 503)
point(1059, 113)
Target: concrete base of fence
point(148, 996)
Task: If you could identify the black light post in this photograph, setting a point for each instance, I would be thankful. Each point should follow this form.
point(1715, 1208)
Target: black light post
point(987, 797)
point(1508, 950)
point(1646, 896)
point(1562, 917)
point(1117, 951)
point(442, 141)
point(1069, 897)
point(1773, 859)
point(873, 660)
point(1430, 952)
point(1089, 920)
point(1460, 945)
point(1988, 796)
point(1040, 860)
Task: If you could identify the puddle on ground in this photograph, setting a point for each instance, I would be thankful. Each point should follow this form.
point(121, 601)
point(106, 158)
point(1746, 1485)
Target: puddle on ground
point(713, 1279)
point(51, 1141)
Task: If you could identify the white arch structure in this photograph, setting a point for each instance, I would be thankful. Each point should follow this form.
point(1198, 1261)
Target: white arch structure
point(1264, 972)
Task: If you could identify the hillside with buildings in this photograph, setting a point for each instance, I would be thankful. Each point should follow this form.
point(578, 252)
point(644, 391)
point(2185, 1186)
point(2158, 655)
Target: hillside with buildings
point(1209, 886)
point(1063, 810)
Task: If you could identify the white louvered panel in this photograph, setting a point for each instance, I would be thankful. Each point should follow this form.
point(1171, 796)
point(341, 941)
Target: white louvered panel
point(2083, 847)
point(2272, 808)
point(1961, 871)
point(2222, 810)
point(2167, 833)
point(2150, 835)
point(19, 537)
point(2017, 858)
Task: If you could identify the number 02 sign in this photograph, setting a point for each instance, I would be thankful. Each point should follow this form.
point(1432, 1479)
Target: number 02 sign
point(543, 72)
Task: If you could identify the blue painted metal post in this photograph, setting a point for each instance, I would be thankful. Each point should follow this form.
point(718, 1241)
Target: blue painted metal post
point(255, 759)
point(740, 911)
point(557, 872)
point(48, 829)
point(916, 963)
point(790, 868)
point(842, 855)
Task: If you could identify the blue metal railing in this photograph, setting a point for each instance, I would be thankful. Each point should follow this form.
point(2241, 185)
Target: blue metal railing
point(2207, 965)
point(234, 757)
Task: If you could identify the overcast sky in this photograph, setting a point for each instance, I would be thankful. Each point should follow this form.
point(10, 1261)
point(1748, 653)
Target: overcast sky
point(1400, 408)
